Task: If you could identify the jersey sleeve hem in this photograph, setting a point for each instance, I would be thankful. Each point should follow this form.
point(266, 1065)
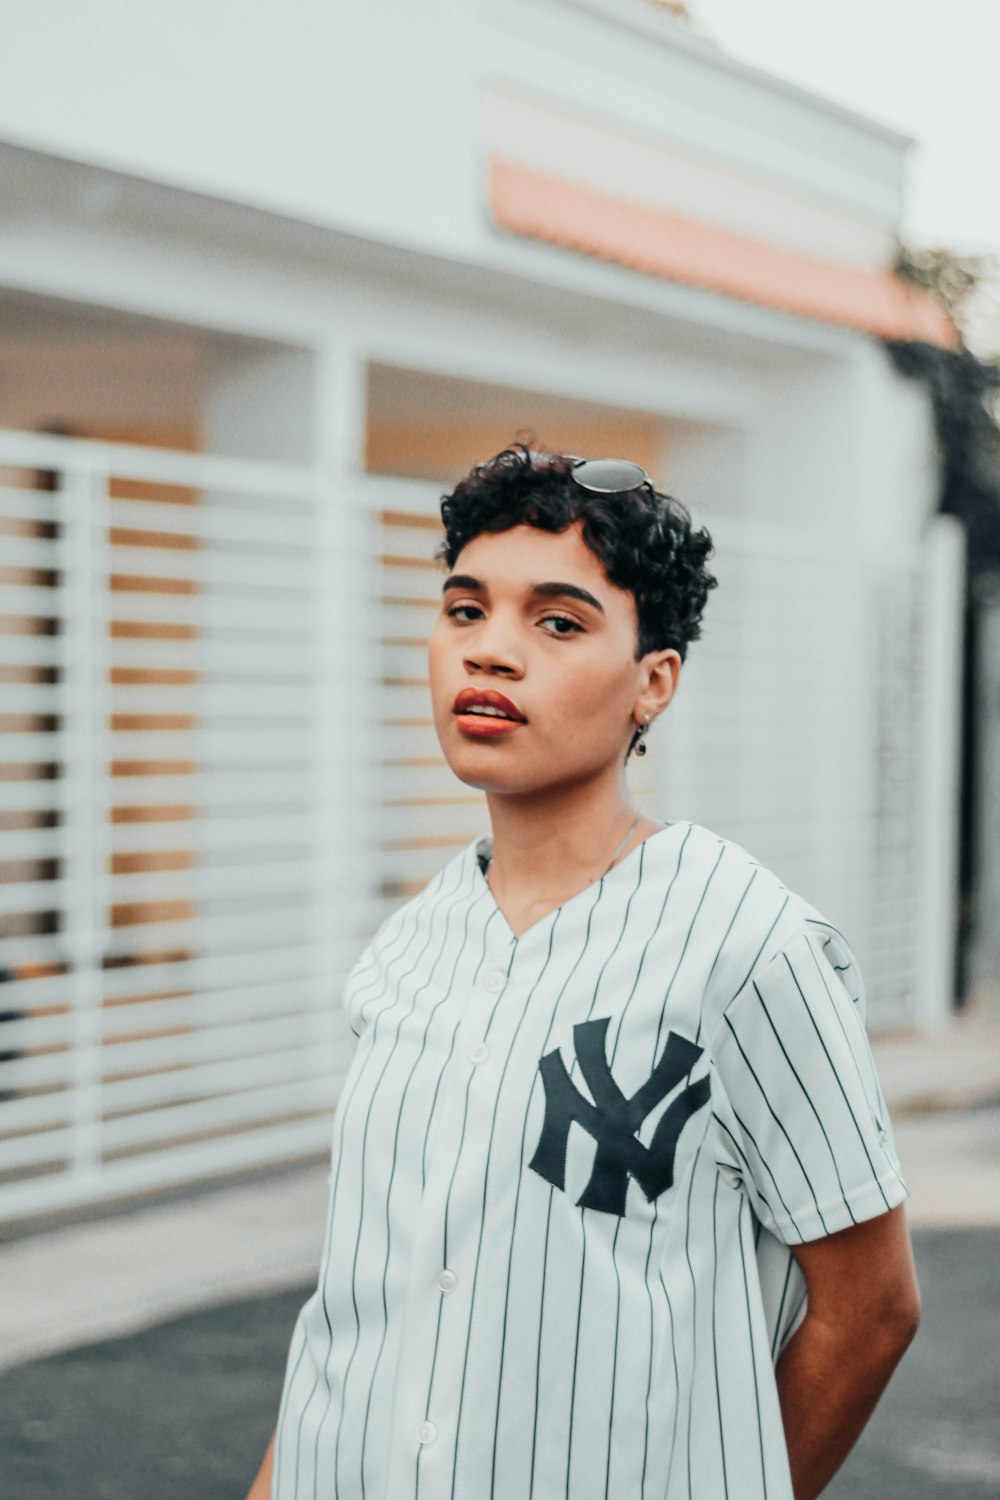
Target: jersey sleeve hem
point(876, 1196)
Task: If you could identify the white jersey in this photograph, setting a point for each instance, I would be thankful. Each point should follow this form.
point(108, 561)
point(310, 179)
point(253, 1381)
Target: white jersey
point(566, 1170)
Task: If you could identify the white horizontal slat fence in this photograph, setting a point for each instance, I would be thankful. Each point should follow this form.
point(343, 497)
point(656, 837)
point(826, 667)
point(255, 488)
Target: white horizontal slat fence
point(176, 920)
point(798, 733)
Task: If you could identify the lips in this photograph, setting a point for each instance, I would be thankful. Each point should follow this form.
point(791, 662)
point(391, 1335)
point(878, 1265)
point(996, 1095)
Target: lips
point(490, 698)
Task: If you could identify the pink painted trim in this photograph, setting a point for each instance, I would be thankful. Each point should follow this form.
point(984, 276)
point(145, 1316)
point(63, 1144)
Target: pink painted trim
point(685, 250)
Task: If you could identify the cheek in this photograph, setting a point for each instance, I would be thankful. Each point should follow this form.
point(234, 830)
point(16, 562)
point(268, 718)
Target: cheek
point(586, 697)
point(434, 674)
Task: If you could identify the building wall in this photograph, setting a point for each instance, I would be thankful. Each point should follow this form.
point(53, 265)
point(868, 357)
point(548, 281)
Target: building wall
point(375, 119)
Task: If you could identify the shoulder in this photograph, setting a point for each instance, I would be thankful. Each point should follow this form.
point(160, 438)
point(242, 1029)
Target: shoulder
point(754, 920)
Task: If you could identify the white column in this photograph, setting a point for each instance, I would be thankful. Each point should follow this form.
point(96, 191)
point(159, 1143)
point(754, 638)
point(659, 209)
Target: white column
point(940, 768)
point(348, 688)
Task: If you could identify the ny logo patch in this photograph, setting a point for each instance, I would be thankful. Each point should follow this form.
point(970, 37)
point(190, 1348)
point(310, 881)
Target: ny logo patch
point(613, 1120)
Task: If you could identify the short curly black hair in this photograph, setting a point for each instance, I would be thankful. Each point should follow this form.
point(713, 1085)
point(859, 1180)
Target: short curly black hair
point(644, 538)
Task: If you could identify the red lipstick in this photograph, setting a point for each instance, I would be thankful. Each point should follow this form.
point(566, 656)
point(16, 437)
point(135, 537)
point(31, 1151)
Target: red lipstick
point(486, 724)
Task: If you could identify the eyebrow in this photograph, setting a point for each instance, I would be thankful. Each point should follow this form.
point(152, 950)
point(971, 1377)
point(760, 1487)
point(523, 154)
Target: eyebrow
point(553, 590)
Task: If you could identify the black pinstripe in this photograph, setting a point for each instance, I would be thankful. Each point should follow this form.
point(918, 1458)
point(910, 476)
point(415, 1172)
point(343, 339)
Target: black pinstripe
point(744, 1217)
point(715, 1339)
point(777, 1120)
point(835, 1075)
point(392, 1173)
point(805, 1094)
point(361, 1211)
point(342, 1108)
point(444, 1232)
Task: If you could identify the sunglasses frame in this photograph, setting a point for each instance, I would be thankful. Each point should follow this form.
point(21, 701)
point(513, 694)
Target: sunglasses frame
point(603, 489)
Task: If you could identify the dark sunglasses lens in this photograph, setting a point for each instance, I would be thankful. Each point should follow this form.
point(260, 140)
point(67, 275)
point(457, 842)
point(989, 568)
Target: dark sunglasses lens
point(609, 476)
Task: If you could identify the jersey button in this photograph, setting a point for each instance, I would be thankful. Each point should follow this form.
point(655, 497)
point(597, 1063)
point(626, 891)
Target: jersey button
point(427, 1432)
point(478, 1053)
point(495, 981)
point(446, 1280)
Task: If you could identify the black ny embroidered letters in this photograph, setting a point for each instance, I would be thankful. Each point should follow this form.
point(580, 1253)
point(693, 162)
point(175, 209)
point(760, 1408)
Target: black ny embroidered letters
point(612, 1119)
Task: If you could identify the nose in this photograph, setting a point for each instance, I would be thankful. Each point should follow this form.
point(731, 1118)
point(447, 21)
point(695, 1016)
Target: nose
point(496, 660)
point(494, 649)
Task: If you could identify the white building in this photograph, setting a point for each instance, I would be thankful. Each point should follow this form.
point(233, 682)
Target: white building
point(270, 280)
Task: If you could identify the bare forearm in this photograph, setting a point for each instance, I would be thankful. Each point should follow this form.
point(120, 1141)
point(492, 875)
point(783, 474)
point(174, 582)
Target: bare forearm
point(830, 1378)
point(261, 1487)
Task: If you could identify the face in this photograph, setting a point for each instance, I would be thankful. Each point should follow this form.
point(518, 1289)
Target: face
point(532, 616)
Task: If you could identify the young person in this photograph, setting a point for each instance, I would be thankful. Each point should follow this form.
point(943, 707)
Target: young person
point(615, 1210)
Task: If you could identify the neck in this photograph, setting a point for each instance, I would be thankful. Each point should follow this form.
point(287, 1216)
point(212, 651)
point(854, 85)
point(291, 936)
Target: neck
point(548, 851)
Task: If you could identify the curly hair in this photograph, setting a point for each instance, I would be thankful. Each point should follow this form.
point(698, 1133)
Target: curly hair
point(644, 538)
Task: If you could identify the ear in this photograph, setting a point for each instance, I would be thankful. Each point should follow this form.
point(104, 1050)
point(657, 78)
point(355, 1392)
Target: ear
point(663, 670)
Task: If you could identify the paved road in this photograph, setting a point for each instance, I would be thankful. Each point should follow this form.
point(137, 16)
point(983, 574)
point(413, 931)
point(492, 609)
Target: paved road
point(936, 1432)
point(185, 1408)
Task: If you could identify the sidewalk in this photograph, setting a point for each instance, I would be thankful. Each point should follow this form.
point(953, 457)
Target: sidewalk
point(72, 1285)
point(955, 1069)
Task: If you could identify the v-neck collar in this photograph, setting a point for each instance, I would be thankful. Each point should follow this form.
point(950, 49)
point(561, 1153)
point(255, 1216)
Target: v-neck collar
point(483, 849)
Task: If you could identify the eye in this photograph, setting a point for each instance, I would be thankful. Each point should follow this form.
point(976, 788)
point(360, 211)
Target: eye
point(566, 621)
point(455, 612)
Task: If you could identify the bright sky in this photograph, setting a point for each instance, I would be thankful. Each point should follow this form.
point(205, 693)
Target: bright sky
point(930, 70)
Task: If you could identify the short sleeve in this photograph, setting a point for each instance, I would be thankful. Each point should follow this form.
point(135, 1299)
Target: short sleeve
point(800, 1109)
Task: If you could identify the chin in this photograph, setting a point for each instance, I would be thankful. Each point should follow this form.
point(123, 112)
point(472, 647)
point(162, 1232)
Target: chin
point(472, 768)
point(470, 765)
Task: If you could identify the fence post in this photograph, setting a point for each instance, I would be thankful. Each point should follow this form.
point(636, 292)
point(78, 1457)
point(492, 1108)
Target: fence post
point(83, 651)
point(346, 627)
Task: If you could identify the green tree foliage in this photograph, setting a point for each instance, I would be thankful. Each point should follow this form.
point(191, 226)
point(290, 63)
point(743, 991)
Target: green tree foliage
point(965, 396)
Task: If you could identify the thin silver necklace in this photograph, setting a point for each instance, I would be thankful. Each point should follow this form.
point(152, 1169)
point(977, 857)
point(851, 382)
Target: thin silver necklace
point(624, 841)
point(621, 846)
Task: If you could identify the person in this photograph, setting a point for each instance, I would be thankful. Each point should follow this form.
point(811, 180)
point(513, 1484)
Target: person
point(615, 1207)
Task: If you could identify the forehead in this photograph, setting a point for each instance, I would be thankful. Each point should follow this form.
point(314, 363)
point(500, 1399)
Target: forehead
point(526, 555)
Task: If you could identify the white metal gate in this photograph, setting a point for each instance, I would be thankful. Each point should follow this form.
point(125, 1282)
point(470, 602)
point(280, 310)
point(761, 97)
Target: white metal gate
point(169, 972)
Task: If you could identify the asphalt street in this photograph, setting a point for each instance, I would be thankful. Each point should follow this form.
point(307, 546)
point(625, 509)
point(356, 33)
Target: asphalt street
point(185, 1408)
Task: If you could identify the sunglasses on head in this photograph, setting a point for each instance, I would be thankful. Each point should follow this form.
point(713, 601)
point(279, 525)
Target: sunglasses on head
point(608, 476)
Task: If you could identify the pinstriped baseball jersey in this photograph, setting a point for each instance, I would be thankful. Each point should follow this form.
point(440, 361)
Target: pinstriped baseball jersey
point(567, 1168)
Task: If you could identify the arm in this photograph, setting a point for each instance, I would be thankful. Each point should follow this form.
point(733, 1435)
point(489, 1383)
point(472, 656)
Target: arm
point(261, 1487)
point(862, 1312)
